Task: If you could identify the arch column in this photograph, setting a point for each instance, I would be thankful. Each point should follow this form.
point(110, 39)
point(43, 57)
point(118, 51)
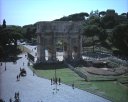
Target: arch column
point(42, 48)
point(65, 56)
point(69, 49)
point(52, 50)
point(77, 48)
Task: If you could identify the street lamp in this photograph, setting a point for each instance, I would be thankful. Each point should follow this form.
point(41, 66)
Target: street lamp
point(55, 82)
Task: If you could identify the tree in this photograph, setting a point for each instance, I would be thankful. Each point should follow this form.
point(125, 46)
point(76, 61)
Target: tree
point(120, 38)
point(8, 37)
point(127, 15)
point(102, 35)
point(110, 19)
point(15, 36)
point(91, 31)
point(4, 24)
point(124, 14)
point(74, 17)
point(102, 13)
point(1, 52)
point(29, 32)
point(4, 36)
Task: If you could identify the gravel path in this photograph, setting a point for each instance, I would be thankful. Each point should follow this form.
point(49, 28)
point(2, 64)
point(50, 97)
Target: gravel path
point(35, 89)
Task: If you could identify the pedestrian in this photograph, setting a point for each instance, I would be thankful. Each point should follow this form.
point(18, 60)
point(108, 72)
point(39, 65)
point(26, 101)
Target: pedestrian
point(15, 95)
point(59, 81)
point(5, 68)
point(28, 63)
point(18, 95)
point(51, 81)
point(33, 72)
point(23, 63)
point(10, 100)
point(55, 80)
point(17, 77)
point(73, 85)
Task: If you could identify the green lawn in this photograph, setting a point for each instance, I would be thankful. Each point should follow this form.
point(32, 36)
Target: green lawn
point(112, 90)
point(67, 76)
point(107, 89)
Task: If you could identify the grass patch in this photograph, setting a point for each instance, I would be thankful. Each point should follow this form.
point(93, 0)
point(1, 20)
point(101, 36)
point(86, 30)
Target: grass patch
point(67, 76)
point(111, 90)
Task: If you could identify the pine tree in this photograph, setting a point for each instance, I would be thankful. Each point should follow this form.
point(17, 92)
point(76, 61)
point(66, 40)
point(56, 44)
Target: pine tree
point(4, 24)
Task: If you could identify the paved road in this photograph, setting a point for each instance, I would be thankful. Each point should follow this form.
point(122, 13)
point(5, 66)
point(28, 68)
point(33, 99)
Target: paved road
point(35, 89)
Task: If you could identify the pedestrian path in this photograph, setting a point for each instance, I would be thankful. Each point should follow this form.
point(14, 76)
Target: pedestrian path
point(35, 89)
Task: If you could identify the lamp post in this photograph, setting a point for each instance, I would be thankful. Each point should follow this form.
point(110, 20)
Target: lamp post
point(55, 82)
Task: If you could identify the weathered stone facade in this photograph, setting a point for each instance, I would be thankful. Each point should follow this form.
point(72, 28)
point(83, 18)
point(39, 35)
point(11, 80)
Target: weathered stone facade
point(49, 34)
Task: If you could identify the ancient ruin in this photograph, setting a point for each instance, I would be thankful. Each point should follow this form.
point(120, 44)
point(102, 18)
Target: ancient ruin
point(59, 35)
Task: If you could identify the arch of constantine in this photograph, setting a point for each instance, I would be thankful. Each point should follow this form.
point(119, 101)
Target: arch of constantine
point(59, 35)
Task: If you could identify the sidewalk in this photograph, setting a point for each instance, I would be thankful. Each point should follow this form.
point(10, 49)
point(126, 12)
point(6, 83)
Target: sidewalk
point(35, 89)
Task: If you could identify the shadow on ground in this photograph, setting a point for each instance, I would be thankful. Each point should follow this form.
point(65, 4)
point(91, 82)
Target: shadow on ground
point(50, 66)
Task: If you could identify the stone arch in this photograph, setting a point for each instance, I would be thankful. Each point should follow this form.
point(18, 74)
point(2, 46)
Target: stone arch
point(63, 33)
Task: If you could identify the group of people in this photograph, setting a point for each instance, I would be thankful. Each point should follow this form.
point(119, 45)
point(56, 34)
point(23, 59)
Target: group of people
point(16, 98)
point(18, 76)
point(55, 81)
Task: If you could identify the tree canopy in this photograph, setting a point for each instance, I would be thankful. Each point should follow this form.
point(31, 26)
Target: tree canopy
point(74, 17)
point(120, 37)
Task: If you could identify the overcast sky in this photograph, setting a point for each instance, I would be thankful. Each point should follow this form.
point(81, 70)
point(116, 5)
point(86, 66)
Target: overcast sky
point(23, 12)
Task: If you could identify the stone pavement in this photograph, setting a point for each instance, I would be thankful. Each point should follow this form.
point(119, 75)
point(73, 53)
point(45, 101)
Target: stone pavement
point(35, 89)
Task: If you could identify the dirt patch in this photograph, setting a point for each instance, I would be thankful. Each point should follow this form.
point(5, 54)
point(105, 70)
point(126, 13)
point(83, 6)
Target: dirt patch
point(107, 71)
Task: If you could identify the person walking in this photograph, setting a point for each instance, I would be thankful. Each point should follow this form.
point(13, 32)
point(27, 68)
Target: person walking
point(5, 68)
point(51, 81)
point(73, 85)
point(55, 80)
point(59, 81)
point(18, 95)
point(33, 73)
point(17, 77)
point(15, 95)
point(10, 100)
